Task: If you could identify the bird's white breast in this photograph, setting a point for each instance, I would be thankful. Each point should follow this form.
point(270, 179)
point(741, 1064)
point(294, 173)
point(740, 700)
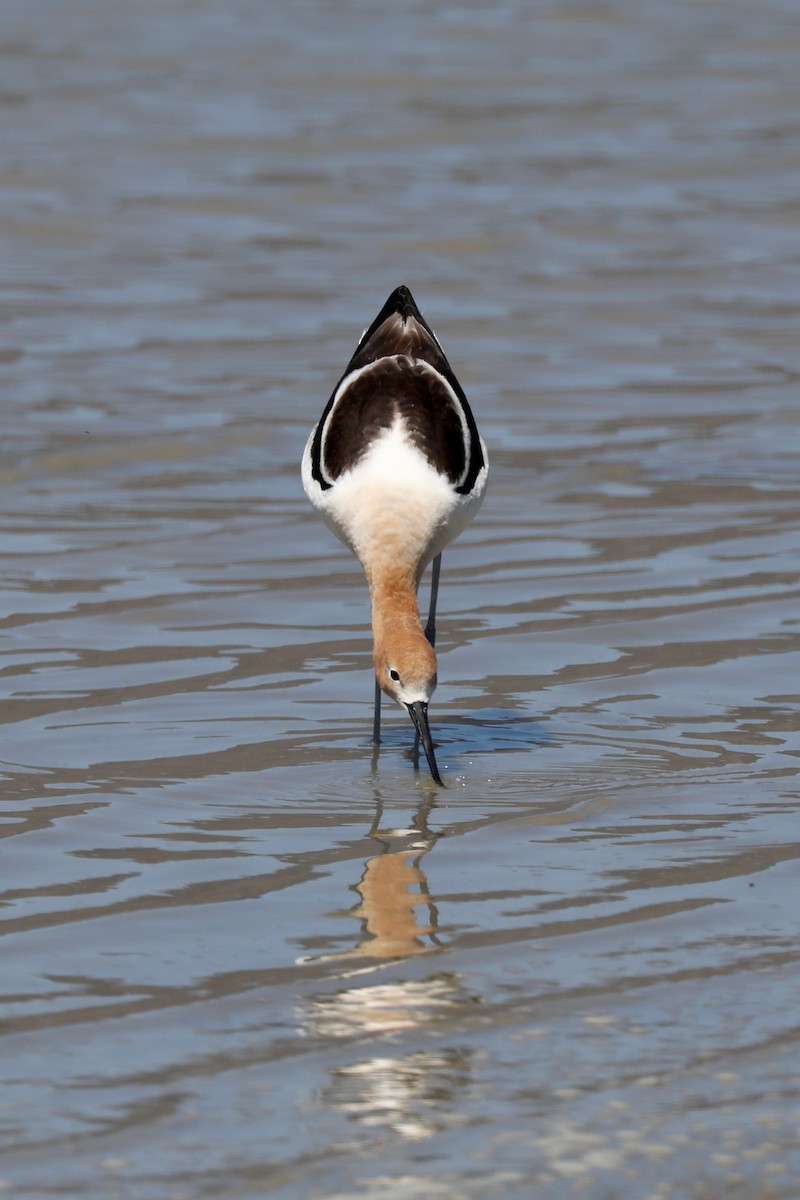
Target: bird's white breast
point(393, 502)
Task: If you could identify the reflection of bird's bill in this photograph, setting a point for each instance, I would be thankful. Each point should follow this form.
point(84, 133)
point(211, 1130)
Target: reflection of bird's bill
point(418, 711)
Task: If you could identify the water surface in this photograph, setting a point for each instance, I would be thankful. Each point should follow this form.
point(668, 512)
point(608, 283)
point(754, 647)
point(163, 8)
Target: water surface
point(243, 955)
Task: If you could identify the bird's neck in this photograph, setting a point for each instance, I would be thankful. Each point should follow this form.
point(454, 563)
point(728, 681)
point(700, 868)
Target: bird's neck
point(393, 591)
point(400, 645)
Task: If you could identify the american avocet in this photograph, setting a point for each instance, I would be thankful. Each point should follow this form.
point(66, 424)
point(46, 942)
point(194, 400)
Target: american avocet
point(397, 469)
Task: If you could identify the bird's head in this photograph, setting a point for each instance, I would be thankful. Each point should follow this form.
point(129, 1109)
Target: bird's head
point(405, 667)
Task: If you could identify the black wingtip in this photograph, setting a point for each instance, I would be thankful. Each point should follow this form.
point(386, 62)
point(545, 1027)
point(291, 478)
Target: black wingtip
point(403, 303)
point(400, 303)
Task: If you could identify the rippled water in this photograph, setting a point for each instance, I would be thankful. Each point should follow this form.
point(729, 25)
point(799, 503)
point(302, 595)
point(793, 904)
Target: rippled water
point(243, 956)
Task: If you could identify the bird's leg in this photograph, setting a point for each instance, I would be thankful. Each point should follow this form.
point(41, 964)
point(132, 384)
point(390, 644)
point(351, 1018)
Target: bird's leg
point(430, 628)
point(376, 721)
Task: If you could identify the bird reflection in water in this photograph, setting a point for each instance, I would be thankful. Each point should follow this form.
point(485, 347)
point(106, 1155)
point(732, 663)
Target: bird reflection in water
point(394, 890)
point(411, 1093)
point(414, 1096)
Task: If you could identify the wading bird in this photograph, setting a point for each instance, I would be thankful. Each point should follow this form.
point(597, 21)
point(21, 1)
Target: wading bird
point(397, 469)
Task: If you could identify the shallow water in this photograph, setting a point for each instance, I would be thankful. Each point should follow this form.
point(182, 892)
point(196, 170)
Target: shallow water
point(242, 955)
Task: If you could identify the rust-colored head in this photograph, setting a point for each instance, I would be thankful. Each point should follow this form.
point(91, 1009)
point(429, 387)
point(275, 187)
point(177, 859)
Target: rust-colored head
point(405, 664)
point(405, 667)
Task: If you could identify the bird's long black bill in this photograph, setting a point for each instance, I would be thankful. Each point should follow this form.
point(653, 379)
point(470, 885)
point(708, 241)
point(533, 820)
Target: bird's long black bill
point(419, 715)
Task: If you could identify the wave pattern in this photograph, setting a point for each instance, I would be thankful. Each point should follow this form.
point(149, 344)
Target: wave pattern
point(242, 954)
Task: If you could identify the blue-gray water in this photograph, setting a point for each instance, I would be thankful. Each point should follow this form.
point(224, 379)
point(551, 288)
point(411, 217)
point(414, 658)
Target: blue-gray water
point(240, 957)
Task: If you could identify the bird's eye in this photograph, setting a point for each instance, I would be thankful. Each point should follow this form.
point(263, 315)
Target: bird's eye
point(394, 675)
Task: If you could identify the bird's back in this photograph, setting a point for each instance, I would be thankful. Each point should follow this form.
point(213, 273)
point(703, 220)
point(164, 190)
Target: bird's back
point(396, 391)
point(398, 377)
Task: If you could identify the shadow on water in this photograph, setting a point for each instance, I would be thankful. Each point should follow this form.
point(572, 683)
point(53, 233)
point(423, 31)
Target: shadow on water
point(493, 729)
point(484, 730)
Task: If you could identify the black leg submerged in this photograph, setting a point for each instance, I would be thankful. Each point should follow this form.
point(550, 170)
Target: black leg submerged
point(376, 720)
